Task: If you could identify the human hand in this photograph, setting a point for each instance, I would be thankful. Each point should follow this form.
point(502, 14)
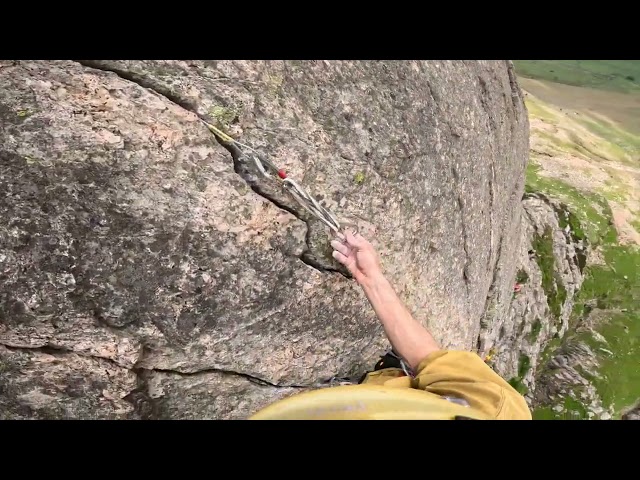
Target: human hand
point(358, 255)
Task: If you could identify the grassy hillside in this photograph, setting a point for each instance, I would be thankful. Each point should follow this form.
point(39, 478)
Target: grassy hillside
point(616, 75)
point(585, 150)
point(610, 294)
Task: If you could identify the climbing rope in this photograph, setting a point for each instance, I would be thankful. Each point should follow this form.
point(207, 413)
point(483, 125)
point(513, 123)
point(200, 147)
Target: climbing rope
point(304, 198)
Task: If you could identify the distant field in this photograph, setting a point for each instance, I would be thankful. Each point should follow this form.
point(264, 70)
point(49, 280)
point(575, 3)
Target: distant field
point(585, 150)
point(615, 75)
point(621, 108)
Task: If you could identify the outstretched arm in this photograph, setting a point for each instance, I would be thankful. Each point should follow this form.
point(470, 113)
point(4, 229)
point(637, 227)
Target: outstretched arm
point(409, 338)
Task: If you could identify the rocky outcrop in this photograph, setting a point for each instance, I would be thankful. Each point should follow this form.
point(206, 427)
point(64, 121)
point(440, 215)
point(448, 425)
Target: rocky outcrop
point(566, 379)
point(547, 276)
point(146, 273)
point(633, 413)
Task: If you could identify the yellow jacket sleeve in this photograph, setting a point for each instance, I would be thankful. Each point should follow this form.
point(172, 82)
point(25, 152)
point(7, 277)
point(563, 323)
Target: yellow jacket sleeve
point(464, 375)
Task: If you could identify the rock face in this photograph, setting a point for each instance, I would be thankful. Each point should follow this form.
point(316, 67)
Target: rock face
point(633, 413)
point(549, 272)
point(145, 273)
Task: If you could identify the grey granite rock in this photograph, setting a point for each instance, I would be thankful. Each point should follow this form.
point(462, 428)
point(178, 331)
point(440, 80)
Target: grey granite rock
point(142, 262)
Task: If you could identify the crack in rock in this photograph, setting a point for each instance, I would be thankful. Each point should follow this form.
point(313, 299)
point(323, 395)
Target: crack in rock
point(144, 82)
point(317, 253)
point(515, 89)
point(250, 378)
point(491, 296)
point(53, 349)
point(492, 181)
point(139, 396)
point(148, 405)
point(467, 260)
point(315, 233)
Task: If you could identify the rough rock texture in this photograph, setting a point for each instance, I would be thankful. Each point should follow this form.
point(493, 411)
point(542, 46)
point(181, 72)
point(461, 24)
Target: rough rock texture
point(145, 273)
point(567, 376)
point(633, 413)
point(539, 312)
point(552, 361)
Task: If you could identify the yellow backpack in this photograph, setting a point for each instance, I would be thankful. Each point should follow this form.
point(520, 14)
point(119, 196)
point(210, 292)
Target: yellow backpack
point(366, 402)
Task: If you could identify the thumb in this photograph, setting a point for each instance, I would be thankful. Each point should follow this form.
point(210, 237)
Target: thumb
point(354, 239)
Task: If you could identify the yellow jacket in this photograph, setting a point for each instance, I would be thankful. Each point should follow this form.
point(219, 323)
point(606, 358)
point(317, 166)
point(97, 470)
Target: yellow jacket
point(390, 394)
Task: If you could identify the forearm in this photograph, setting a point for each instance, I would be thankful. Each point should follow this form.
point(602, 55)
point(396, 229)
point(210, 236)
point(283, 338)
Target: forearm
point(408, 337)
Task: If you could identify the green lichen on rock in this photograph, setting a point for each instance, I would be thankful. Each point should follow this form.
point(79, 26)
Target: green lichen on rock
point(274, 83)
point(358, 178)
point(524, 365)
point(536, 327)
point(522, 276)
point(223, 116)
point(559, 298)
point(570, 219)
point(551, 283)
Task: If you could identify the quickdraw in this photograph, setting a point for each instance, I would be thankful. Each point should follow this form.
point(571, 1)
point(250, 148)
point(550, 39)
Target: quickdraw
point(304, 198)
